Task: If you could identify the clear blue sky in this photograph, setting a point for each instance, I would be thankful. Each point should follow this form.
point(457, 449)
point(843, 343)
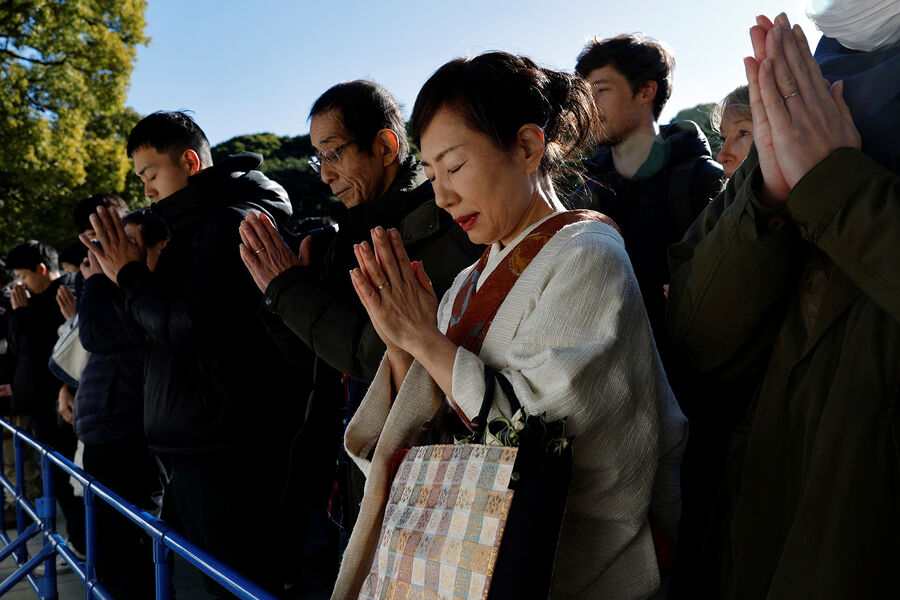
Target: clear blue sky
point(250, 67)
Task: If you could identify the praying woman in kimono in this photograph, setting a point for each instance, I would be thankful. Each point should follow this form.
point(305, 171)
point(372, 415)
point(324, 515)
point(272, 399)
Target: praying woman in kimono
point(553, 305)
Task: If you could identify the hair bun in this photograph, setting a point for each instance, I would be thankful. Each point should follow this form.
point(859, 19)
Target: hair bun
point(498, 92)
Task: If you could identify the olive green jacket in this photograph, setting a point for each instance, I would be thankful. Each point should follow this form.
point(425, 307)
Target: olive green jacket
point(812, 509)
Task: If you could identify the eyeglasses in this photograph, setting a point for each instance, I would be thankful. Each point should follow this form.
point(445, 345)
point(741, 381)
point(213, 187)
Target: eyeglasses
point(327, 156)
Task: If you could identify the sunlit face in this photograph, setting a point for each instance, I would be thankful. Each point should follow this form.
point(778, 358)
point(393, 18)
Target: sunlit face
point(34, 281)
point(161, 176)
point(487, 190)
point(736, 131)
point(620, 112)
point(358, 177)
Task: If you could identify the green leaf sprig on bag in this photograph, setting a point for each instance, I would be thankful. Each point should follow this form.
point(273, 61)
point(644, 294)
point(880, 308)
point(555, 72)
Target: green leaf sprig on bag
point(523, 430)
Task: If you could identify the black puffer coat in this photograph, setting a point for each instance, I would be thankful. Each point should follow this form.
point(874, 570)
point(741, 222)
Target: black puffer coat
point(213, 375)
point(109, 403)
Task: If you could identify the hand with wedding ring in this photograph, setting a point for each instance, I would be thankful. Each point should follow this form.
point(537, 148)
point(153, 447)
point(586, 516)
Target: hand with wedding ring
point(264, 252)
point(798, 117)
point(396, 293)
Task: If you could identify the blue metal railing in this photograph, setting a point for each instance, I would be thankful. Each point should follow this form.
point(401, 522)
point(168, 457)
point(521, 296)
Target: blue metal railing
point(166, 541)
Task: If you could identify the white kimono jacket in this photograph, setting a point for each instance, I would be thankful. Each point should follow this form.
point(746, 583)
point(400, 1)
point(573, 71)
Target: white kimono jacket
point(572, 337)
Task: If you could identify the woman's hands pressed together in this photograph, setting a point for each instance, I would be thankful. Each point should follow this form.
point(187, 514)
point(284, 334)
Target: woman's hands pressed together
point(402, 305)
point(396, 293)
point(798, 117)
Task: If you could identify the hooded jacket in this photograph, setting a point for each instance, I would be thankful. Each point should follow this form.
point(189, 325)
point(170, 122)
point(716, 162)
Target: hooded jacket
point(655, 210)
point(212, 373)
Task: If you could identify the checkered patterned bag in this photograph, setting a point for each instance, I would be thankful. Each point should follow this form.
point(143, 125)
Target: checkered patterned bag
point(451, 506)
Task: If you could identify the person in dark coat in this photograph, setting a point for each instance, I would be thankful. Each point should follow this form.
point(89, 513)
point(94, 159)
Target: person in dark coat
point(219, 400)
point(792, 275)
point(109, 415)
point(363, 155)
point(33, 325)
point(651, 179)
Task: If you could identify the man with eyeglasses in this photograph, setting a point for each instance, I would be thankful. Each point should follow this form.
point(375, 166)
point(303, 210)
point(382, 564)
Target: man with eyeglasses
point(362, 154)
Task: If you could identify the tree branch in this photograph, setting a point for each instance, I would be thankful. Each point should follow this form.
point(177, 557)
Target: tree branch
point(32, 60)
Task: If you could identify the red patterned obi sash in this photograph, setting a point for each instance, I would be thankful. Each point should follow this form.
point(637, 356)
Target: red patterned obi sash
point(474, 310)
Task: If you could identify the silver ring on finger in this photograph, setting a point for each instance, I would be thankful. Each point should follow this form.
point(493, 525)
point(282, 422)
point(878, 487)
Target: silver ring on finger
point(791, 95)
point(384, 285)
point(263, 249)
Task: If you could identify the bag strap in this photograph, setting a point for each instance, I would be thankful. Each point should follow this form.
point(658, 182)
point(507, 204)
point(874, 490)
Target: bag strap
point(491, 378)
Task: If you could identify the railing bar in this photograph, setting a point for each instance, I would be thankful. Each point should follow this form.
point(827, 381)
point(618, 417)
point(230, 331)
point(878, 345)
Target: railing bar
point(214, 568)
point(20, 540)
point(25, 570)
point(158, 530)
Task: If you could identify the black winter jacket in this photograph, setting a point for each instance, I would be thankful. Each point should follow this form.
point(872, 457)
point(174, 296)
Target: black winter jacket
point(213, 375)
point(655, 212)
point(319, 303)
point(109, 403)
point(32, 335)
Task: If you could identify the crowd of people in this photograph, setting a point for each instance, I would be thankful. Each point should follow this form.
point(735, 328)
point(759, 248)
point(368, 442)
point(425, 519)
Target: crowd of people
point(722, 337)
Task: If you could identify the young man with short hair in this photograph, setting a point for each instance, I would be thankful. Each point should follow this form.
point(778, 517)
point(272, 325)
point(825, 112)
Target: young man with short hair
point(33, 324)
point(219, 402)
point(652, 179)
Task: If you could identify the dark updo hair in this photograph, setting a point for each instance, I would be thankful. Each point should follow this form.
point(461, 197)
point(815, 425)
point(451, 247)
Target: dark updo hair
point(496, 93)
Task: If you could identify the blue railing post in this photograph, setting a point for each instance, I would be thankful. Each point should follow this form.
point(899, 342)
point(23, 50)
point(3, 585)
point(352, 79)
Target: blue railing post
point(46, 510)
point(163, 561)
point(90, 533)
point(166, 543)
point(21, 555)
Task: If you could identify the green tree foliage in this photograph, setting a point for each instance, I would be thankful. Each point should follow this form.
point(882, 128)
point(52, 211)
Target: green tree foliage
point(285, 162)
point(700, 115)
point(64, 72)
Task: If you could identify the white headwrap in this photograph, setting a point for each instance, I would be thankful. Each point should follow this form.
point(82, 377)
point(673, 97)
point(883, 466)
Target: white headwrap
point(865, 25)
